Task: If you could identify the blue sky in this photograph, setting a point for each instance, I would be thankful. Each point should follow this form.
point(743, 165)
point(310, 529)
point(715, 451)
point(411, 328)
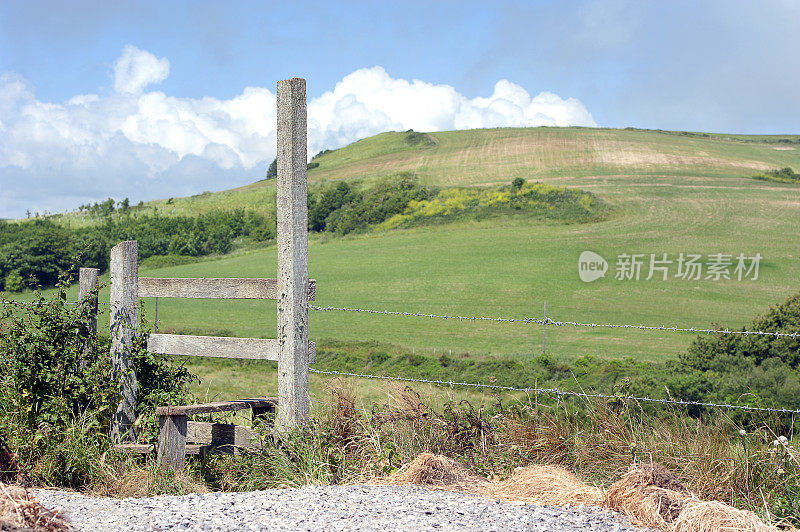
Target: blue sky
point(153, 99)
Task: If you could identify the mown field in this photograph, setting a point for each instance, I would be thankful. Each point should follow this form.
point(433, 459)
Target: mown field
point(670, 194)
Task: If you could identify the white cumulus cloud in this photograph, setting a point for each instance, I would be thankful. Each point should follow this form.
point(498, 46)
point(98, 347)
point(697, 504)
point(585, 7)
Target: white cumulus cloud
point(145, 144)
point(135, 69)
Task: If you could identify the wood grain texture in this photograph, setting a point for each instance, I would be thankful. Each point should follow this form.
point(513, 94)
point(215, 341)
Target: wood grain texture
point(171, 448)
point(292, 241)
point(219, 406)
point(124, 319)
point(139, 448)
point(221, 434)
point(87, 296)
point(214, 287)
point(219, 347)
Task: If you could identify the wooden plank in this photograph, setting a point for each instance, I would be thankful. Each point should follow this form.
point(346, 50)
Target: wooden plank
point(218, 347)
point(139, 448)
point(171, 447)
point(87, 295)
point(219, 434)
point(219, 406)
point(214, 287)
point(124, 320)
point(292, 213)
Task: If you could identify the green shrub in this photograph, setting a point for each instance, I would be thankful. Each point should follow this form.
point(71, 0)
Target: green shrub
point(784, 175)
point(56, 390)
point(13, 282)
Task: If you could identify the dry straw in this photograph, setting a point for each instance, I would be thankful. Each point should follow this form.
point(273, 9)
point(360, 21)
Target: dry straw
point(20, 509)
point(548, 484)
point(648, 494)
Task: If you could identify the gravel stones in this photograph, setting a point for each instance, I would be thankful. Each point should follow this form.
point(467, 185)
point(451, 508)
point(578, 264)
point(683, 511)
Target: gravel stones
point(363, 508)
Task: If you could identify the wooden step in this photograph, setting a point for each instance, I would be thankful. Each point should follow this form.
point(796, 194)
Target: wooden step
point(220, 406)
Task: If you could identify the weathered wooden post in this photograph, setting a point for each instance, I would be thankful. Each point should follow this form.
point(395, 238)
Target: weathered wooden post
point(87, 295)
point(292, 210)
point(124, 321)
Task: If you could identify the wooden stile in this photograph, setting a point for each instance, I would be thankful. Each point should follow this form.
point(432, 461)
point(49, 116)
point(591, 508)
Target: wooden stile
point(292, 289)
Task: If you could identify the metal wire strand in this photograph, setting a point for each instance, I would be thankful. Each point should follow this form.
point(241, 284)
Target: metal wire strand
point(555, 391)
point(548, 321)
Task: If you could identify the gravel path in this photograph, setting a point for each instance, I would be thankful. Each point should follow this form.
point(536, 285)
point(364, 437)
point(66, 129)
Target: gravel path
point(363, 508)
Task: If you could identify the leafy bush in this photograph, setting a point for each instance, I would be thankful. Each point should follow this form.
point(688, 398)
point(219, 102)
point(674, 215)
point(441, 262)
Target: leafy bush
point(13, 282)
point(56, 392)
point(533, 199)
point(784, 175)
point(272, 171)
point(753, 370)
point(39, 250)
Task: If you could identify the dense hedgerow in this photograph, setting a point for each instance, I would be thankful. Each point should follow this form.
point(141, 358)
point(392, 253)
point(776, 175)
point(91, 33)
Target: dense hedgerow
point(34, 253)
point(57, 392)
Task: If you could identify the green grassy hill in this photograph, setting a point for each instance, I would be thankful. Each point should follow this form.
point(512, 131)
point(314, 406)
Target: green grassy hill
point(490, 156)
point(671, 193)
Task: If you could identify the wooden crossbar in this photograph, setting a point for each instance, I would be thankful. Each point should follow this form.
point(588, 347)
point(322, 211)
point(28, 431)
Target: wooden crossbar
point(214, 287)
point(219, 347)
point(218, 406)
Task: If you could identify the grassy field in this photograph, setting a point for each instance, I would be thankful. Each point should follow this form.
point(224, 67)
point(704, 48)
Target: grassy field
point(670, 193)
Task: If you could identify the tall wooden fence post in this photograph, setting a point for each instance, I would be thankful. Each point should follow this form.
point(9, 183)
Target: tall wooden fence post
point(292, 209)
point(87, 295)
point(124, 321)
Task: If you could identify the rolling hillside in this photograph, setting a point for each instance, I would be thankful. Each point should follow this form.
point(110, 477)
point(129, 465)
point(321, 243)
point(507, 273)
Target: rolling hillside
point(671, 193)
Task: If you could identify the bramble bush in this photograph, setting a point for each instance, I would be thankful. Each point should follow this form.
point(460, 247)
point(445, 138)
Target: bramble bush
point(57, 392)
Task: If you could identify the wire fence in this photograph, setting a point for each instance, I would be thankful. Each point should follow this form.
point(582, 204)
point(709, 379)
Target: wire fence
point(549, 322)
point(557, 392)
point(554, 323)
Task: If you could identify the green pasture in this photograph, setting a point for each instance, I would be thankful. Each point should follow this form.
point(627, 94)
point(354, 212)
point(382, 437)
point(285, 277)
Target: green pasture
point(509, 267)
point(670, 193)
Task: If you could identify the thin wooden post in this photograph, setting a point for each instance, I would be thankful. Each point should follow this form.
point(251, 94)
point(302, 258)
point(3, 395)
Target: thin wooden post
point(87, 295)
point(292, 210)
point(171, 451)
point(124, 321)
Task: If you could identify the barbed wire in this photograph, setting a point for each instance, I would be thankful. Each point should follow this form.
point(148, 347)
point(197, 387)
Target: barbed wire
point(548, 321)
point(557, 392)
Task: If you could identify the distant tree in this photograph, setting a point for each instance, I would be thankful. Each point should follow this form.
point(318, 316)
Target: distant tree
point(517, 183)
point(124, 205)
point(272, 171)
point(13, 282)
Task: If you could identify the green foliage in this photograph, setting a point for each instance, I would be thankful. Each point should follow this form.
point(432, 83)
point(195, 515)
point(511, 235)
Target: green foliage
point(517, 183)
point(54, 386)
point(13, 282)
point(40, 250)
point(756, 370)
point(784, 175)
point(272, 171)
point(414, 138)
point(56, 392)
point(536, 199)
